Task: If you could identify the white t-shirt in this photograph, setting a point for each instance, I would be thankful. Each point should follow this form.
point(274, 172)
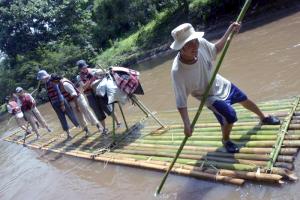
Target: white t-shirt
point(193, 79)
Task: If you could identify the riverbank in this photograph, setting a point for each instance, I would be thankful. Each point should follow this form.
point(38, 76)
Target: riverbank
point(212, 18)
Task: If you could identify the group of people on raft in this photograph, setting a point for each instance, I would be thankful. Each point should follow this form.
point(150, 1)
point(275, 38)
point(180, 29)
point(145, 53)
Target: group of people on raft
point(85, 101)
point(191, 72)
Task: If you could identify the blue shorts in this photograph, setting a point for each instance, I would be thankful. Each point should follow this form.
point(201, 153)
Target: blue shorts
point(223, 110)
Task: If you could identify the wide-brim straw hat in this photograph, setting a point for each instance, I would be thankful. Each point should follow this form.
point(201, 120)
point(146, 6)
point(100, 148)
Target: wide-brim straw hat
point(183, 34)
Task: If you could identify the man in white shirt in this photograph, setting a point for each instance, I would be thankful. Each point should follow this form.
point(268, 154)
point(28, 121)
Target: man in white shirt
point(191, 72)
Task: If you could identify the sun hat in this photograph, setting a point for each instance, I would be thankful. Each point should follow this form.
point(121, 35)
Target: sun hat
point(183, 34)
point(81, 63)
point(42, 74)
point(19, 90)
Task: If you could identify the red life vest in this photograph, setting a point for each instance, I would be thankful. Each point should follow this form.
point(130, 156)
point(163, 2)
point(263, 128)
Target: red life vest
point(15, 107)
point(68, 96)
point(88, 76)
point(27, 102)
point(52, 93)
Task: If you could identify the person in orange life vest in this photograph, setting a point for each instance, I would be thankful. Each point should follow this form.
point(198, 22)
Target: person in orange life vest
point(30, 110)
point(89, 79)
point(58, 101)
point(14, 109)
point(77, 102)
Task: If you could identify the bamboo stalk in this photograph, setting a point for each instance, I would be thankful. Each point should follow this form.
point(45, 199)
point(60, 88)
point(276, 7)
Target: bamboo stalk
point(254, 176)
point(197, 154)
point(206, 158)
point(287, 143)
point(219, 137)
point(218, 128)
point(280, 140)
point(247, 150)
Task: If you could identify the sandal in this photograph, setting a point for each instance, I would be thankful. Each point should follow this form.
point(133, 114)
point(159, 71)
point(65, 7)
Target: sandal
point(105, 131)
point(271, 120)
point(230, 147)
point(119, 125)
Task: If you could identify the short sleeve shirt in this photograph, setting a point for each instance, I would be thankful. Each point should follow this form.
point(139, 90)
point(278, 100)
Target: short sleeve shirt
point(193, 79)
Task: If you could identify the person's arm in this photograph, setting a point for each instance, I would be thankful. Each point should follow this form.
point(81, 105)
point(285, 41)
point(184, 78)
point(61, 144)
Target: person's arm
point(60, 98)
point(186, 121)
point(32, 100)
point(71, 90)
point(235, 26)
point(9, 109)
point(98, 72)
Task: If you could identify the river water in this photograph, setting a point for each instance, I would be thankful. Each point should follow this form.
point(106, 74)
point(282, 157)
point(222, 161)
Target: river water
point(264, 61)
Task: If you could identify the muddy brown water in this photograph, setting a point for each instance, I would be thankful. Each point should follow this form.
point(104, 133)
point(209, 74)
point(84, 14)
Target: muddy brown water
point(264, 61)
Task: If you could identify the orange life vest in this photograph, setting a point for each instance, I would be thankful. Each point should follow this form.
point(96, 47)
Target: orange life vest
point(52, 93)
point(88, 76)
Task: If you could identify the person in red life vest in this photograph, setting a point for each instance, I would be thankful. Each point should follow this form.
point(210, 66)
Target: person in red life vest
point(31, 113)
point(58, 101)
point(14, 109)
point(77, 102)
point(89, 79)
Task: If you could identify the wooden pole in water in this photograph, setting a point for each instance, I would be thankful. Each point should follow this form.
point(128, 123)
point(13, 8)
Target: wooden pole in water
point(121, 109)
point(145, 109)
point(239, 19)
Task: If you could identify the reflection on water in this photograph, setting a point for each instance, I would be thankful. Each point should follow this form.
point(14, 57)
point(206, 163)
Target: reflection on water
point(263, 61)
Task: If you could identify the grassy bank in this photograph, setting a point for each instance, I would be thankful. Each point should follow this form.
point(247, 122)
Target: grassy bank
point(155, 36)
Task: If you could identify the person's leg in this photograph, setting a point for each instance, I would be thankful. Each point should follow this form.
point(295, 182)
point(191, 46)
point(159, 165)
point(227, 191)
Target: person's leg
point(31, 119)
point(80, 116)
point(40, 118)
point(95, 107)
point(270, 120)
point(102, 101)
point(69, 112)
point(238, 96)
point(88, 113)
point(24, 125)
point(250, 105)
point(226, 116)
point(226, 130)
point(61, 116)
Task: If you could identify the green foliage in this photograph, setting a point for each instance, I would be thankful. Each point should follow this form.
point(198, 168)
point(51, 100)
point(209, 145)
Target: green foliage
point(130, 46)
point(54, 34)
point(117, 18)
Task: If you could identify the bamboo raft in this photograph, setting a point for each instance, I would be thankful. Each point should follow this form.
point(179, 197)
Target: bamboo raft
point(266, 154)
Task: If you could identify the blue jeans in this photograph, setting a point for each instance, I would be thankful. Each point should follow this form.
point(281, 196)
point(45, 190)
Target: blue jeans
point(62, 115)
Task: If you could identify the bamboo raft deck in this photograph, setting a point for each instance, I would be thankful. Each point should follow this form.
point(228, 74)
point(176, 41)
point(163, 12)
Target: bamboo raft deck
point(266, 154)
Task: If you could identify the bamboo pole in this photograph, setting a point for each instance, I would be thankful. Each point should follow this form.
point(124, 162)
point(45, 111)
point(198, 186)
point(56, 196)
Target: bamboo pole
point(280, 141)
point(263, 143)
point(197, 154)
point(257, 163)
point(246, 150)
point(146, 110)
point(218, 137)
point(121, 109)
